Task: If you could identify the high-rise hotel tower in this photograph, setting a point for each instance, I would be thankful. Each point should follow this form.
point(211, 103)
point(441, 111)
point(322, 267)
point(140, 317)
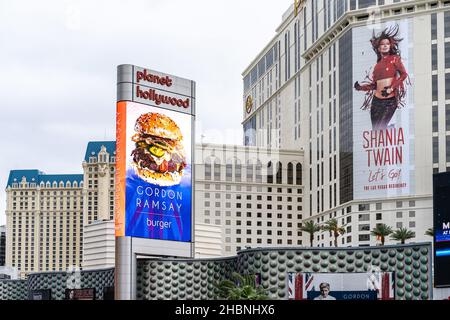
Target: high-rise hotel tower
point(363, 88)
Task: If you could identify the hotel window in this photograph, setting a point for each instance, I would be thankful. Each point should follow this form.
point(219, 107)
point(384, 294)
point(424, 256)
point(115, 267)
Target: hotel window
point(287, 56)
point(249, 171)
point(447, 23)
point(364, 207)
point(270, 172)
point(207, 170)
point(229, 170)
point(364, 237)
point(433, 26)
point(290, 173)
point(364, 217)
point(279, 174)
point(237, 168)
point(447, 117)
point(217, 170)
point(258, 172)
point(435, 150)
point(447, 86)
point(364, 227)
point(447, 145)
point(447, 55)
point(434, 87)
point(434, 56)
point(434, 117)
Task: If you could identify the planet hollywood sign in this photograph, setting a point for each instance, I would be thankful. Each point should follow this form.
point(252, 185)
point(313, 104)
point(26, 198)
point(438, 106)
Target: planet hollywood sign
point(155, 88)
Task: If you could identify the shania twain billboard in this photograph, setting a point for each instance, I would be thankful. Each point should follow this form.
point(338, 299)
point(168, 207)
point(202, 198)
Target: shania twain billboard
point(383, 111)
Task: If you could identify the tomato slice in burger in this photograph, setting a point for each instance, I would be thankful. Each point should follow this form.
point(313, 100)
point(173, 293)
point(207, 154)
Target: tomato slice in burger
point(164, 166)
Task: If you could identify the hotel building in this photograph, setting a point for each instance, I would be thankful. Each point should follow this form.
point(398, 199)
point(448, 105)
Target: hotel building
point(2, 245)
point(254, 194)
point(45, 214)
point(299, 95)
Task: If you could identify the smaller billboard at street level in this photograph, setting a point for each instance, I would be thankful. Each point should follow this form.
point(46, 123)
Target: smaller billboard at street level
point(441, 214)
point(341, 286)
point(80, 294)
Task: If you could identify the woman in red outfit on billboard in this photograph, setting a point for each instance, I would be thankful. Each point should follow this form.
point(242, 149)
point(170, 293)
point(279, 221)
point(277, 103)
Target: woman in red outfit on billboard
point(385, 90)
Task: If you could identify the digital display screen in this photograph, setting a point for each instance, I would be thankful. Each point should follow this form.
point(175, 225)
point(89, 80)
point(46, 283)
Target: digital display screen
point(154, 139)
point(341, 286)
point(80, 294)
point(158, 192)
point(441, 214)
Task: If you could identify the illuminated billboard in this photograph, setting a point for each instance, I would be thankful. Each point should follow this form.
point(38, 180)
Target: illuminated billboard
point(383, 110)
point(80, 294)
point(341, 286)
point(441, 214)
point(154, 198)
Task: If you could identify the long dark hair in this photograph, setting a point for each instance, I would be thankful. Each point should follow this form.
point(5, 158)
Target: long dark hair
point(390, 34)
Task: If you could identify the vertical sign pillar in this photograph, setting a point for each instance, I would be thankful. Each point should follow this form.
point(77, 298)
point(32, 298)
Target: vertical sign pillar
point(154, 170)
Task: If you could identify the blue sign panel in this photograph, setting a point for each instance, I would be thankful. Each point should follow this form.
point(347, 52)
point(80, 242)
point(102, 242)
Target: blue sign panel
point(155, 167)
point(343, 295)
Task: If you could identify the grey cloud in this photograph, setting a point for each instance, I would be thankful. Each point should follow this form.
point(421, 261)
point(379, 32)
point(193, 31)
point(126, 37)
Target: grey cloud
point(59, 58)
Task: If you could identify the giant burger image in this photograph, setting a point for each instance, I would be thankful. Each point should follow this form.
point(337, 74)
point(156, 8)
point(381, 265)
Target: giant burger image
point(159, 157)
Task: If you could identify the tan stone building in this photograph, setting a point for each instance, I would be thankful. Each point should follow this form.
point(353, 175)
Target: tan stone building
point(254, 194)
point(46, 213)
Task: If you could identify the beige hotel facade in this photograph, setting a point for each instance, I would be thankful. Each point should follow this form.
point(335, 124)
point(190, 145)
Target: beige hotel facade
point(45, 214)
point(298, 95)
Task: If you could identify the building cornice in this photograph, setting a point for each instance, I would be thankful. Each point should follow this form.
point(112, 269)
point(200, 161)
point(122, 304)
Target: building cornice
point(363, 16)
point(365, 201)
point(253, 184)
point(252, 149)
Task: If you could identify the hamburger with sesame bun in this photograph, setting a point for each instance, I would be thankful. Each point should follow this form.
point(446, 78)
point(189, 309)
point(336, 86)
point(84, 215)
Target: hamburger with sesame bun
point(159, 156)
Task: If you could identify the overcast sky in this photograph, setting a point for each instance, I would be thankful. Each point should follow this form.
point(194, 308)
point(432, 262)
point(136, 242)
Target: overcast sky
point(58, 69)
